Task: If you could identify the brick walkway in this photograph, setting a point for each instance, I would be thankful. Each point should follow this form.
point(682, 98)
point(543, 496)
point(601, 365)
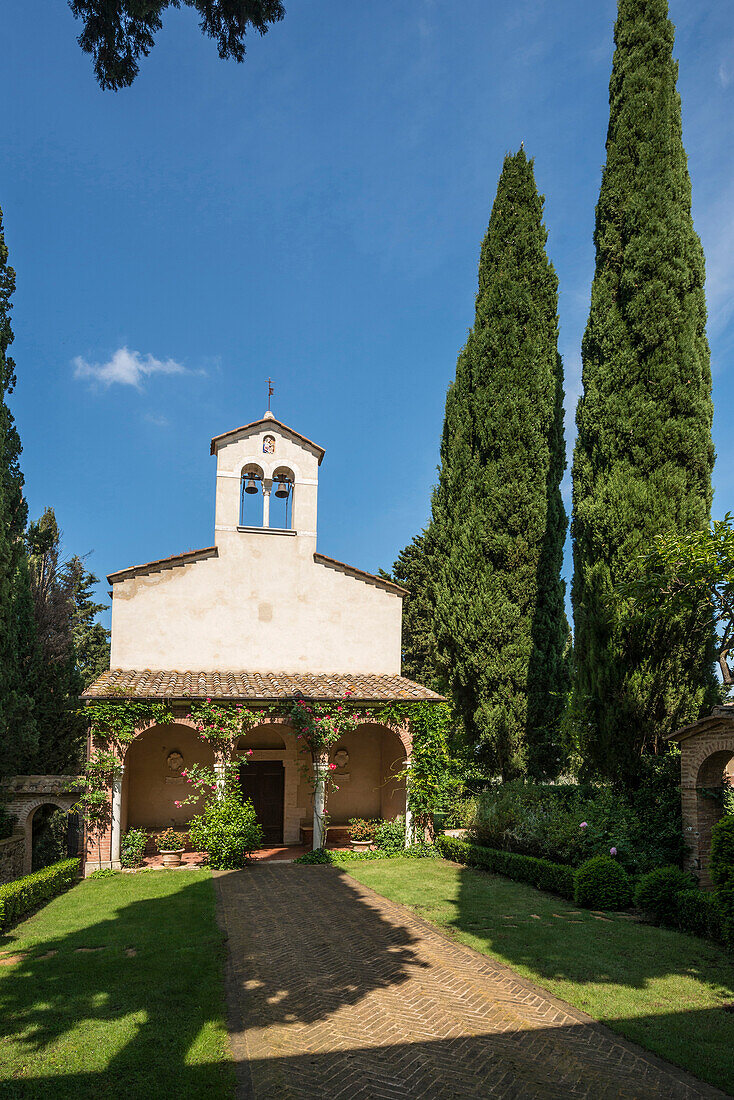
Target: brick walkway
point(335, 993)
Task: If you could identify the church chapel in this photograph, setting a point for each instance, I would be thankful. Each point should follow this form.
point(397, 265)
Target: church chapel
point(257, 618)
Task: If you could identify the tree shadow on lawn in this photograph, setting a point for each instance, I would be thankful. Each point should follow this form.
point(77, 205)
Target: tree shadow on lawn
point(131, 998)
point(628, 974)
point(117, 1008)
point(560, 941)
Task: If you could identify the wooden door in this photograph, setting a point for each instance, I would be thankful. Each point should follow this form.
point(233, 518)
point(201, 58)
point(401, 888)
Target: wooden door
point(263, 782)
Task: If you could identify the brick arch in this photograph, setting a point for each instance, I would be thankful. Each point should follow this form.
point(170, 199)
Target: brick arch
point(706, 748)
point(25, 817)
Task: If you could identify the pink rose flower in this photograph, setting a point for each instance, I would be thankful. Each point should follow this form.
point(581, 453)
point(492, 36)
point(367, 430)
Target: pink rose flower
point(612, 851)
point(332, 767)
point(249, 752)
point(583, 825)
point(208, 700)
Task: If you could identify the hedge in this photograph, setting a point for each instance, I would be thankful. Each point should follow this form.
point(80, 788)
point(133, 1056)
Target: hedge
point(556, 878)
point(19, 897)
point(698, 913)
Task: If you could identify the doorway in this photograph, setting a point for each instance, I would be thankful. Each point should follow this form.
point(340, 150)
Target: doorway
point(263, 782)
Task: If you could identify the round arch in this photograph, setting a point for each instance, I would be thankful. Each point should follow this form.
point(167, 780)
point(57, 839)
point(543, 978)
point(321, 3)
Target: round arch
point(25, 822)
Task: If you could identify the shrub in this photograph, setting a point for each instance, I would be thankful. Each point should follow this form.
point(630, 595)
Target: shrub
point(170, 841)
point(104, 872)
point(656, 891)
point(359, 829)
point(556, 878)
point(722, 874)
point(133, 847)
point(601, 883)
point(698, 912)
point(390, 835)
point(227, 830)
point(569, 823)
point(19, 897)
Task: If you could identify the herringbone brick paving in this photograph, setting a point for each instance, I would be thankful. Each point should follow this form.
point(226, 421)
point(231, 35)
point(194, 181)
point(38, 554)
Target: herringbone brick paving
point(335, 993)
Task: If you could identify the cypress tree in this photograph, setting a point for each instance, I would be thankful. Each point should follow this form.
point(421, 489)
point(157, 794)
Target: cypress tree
point(413, 570)
point(17, 726)
point(644, 455)
point(498, 519)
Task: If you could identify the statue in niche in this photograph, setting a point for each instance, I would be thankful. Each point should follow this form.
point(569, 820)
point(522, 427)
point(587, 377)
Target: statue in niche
point(269, 445)
point(175, 762)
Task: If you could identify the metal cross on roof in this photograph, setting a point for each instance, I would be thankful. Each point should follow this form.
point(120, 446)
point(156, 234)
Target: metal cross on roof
point(270, 391)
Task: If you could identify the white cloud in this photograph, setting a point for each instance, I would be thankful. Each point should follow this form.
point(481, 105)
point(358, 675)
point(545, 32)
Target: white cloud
point(128, 368)
point(724, 75)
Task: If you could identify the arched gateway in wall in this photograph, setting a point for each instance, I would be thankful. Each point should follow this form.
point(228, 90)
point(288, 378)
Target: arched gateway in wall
point(23, 795)
point(707, 756)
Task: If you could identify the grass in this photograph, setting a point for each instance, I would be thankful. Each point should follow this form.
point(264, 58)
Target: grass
point(662, 989)
point(115, 989)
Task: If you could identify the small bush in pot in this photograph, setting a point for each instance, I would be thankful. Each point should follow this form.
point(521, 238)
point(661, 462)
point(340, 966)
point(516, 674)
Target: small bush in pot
point(601, 883)
point(132, 847)
point(171, 845)
point(361, 832)
point(655, 893)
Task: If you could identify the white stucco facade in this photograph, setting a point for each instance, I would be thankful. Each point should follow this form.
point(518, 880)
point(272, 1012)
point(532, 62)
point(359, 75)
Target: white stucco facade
point(260, 598)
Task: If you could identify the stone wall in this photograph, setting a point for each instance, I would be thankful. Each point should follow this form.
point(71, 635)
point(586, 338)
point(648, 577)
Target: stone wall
point(12, 858)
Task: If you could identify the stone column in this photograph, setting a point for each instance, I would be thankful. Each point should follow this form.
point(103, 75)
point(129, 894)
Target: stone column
point(320, 770)
point(266, 506)
point(116, 818)
point(408, 811)
point(220, 770)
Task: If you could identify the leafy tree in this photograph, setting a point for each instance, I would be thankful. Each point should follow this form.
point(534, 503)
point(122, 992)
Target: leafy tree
point(17, 727)
point(690, 578)
point(498, 518)
point(118, 32)
point(91, 641)
point(643, 457)
point(413, 570)
point(57, 683)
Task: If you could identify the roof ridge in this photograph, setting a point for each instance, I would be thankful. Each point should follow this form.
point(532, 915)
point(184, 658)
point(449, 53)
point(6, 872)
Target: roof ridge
point(170, 563)
point(323, 559)
point(267, 420)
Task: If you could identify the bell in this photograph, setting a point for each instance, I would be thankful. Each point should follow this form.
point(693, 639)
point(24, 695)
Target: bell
point(283, 490)
point(251, 487)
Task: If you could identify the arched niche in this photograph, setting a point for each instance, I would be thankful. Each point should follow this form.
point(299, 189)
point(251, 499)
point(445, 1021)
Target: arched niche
point(152, 779)
point(369, 782)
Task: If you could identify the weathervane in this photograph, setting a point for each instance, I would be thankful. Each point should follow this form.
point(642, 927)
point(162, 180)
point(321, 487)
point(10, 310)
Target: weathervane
point(270, 391)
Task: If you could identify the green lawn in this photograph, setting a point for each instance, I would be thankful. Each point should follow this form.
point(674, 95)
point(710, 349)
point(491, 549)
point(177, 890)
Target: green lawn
point(115, 989)
point(662, 989)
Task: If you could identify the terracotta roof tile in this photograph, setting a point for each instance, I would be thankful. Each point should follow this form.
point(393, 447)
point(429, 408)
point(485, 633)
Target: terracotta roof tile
point(265, 686)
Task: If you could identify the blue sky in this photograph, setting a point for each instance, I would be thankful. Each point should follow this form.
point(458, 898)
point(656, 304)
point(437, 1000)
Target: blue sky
point(315, 215)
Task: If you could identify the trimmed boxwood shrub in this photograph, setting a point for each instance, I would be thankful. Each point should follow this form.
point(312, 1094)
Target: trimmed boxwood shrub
point(601, 883)
point(697, 912)
point(556, 878)
point(132, 847)
point(19, 897)
point(655, 893)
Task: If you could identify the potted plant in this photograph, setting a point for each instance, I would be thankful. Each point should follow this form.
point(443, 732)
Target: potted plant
point(361, 833)
point(171, 846)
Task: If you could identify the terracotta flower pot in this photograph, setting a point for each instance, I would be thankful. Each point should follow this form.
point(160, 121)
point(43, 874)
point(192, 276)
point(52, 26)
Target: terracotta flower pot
point(172, 859)
point(361, 845)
